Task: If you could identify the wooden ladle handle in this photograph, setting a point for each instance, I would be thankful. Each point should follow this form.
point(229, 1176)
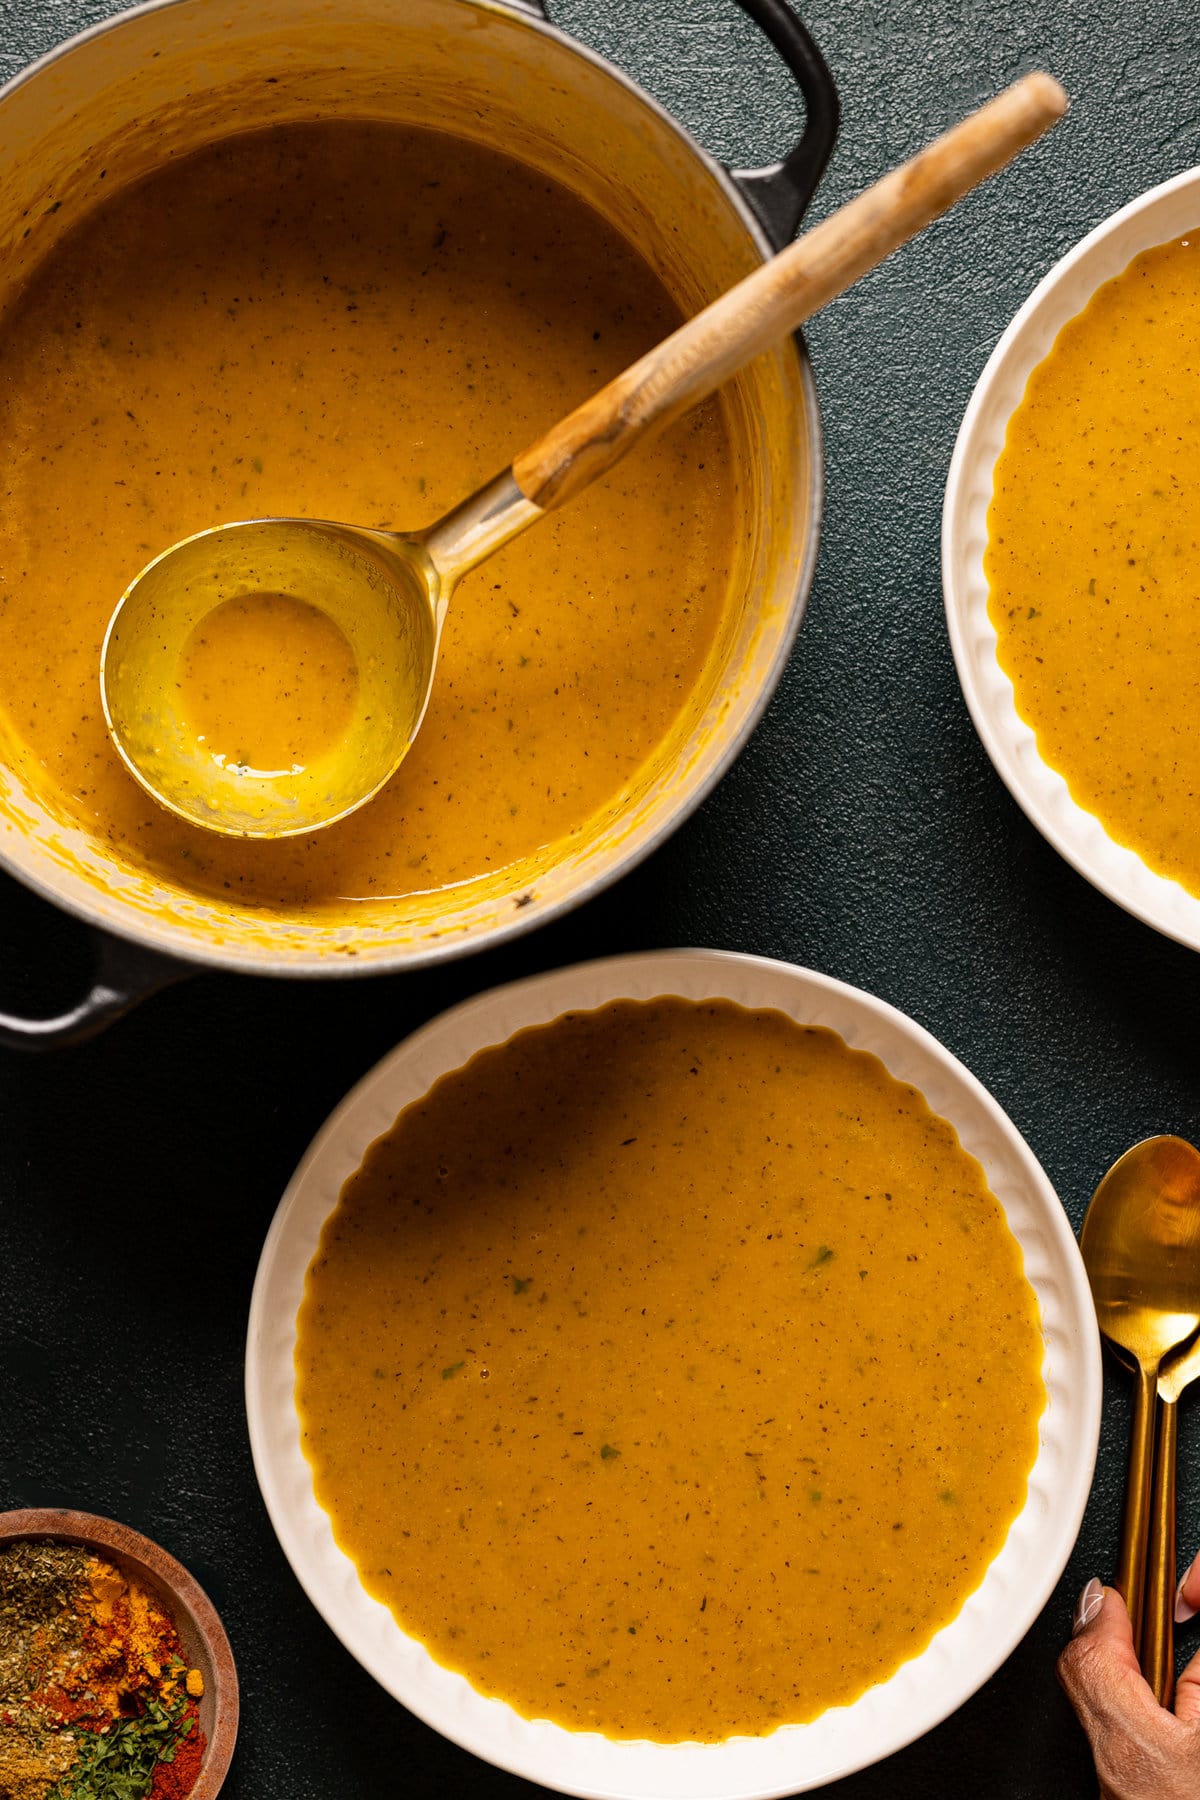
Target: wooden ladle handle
point(783, 293)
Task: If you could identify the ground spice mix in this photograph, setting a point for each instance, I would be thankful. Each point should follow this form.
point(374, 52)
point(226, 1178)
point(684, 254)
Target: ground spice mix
point(96, 1698)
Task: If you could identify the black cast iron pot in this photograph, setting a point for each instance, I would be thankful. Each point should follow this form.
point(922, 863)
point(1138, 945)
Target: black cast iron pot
point(176, 74)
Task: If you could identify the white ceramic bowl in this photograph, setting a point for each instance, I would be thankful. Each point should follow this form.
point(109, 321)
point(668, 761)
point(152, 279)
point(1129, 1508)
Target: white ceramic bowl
point(1164, 213)
point(959, 1659)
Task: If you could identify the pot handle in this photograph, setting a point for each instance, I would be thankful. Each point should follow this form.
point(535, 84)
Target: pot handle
point(124, 975)
point(780, 192)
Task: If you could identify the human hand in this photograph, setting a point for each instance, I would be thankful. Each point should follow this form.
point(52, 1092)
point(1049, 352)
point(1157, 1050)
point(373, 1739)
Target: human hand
point(1142, 1751)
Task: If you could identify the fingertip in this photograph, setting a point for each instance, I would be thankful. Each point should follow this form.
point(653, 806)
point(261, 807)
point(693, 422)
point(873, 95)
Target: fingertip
point(1187, 1693)
point(1101, 1614)
point(1090, 1600)
point(1099, 1667)
point(1187, 1594)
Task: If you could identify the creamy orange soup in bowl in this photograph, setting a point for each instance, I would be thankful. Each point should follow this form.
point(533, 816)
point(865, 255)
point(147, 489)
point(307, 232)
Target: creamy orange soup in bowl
point(674, 1375)
point(1068, 547)
point(349, 288)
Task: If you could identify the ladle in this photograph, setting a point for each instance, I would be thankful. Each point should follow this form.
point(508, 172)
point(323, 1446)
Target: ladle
point(388, 592)
point(1141, 1247)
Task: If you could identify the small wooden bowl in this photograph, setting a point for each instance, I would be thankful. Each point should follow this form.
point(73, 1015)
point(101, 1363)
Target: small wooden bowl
point(201, 1633)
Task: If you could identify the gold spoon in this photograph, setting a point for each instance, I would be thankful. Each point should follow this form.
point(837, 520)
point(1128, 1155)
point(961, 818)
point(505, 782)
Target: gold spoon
point(1157, 1648)
point(388, 592)
point(1141, 1244)
point(1158, 1624)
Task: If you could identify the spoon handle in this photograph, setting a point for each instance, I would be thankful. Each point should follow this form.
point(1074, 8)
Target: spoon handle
point(1158, 1625)
point(785, 291)
point(1131, 1559)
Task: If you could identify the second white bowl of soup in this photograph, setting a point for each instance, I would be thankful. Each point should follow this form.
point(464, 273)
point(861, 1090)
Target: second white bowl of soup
point(674, 1376)
point(1068, 553)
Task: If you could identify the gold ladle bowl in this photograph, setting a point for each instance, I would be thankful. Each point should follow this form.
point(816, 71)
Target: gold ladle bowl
point(378, 589)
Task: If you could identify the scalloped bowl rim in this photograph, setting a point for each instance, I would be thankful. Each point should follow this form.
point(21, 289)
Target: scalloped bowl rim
point(924, 1691)
point(1156, 217)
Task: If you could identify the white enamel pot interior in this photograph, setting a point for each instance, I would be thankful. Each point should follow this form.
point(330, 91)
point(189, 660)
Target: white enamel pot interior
point(168, 78)
point(1166, 212)
point(959, 1658)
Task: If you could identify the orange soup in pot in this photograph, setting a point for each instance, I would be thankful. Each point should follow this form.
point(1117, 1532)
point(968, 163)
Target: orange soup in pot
point(670, 1371)
point(357, 322)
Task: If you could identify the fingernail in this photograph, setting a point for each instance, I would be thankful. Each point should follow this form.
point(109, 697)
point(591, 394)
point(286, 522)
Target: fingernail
point(1183, 1612)
point(1088, 1605)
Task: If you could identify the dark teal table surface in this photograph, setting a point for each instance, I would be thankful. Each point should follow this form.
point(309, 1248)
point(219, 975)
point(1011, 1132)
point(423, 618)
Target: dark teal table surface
point(863, 833)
